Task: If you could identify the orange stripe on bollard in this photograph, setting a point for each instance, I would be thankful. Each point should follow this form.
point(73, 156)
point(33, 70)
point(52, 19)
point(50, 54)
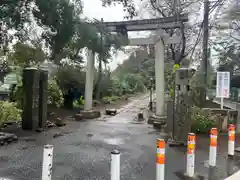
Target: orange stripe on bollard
point(231, 127)
point(160, 159)
point(160, 143)
point(191, 143)
point(191, 137)
point(213, 137)
point(231, 137)
point(213, 142)
point(231, 132)
point(214, 131)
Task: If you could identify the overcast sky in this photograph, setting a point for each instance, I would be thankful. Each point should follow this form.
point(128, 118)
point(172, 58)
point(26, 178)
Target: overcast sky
point(113, 13)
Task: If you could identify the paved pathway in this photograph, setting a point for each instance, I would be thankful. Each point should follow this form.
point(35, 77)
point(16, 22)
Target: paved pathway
point(84, 153)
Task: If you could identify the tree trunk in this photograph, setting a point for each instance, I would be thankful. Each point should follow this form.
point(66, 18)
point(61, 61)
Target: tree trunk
point(98, 89)
point(68, 100)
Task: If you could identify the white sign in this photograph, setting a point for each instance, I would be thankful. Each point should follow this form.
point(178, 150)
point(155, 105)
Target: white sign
point(223, 85)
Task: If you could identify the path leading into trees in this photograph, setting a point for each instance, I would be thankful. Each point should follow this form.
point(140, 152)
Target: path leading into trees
point(82, 151)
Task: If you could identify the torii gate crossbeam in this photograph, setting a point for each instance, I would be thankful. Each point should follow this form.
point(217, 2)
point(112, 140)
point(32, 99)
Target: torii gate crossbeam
point(146, 24)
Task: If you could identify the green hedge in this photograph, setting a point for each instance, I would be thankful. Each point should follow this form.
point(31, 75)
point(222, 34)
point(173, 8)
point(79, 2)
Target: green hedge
point(9, 112)
point(55, 95)
point(203, 121)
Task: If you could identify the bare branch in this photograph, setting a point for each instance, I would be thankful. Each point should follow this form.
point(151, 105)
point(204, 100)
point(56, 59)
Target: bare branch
point(235, 38)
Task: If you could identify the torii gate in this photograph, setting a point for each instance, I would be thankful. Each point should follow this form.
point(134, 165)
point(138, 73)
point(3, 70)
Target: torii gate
point(159, 40)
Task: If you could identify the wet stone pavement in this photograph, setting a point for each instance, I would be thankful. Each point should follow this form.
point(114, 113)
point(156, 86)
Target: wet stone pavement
point(84, 153)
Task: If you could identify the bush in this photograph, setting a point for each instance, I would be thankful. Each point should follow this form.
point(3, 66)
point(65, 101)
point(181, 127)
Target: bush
point(128, 84)
point(114, 98)
point(17, 93)
point(70, 77)
point(9, 112)
point(110, 99)
point(107, 100)
point(202, 120)
point(78, 103)
point(55, 95)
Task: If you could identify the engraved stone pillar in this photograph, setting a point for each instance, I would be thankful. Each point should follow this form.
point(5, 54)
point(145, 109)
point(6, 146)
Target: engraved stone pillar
point(30, 115)
point(43, 98)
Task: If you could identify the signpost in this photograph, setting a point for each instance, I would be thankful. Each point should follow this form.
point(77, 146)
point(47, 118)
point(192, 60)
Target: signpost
point(223, 86)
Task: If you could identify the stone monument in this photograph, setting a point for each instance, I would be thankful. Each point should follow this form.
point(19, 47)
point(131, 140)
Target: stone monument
point(30, 115)
point(179, 124)
point(43, 98)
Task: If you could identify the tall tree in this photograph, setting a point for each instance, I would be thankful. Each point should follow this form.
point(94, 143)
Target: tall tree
point(107, 44)
point(26, 55)
point(128, 5)
point(166, 8)
point(228, 38)
point(59, 16)
point(13, 14)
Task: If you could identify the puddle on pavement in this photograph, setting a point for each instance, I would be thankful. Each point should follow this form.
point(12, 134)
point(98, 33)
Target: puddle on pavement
point(181, 175)
point(223, 171)
point(114, 141)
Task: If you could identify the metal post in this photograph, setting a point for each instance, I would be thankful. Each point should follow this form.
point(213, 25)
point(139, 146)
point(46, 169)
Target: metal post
point(160, 160)
point(150, 101)
point(115, 165)
point(191, 154)
point(47, 162)
point(221, 102)
point(213, 147)
point(231, 140)
point(151, 95)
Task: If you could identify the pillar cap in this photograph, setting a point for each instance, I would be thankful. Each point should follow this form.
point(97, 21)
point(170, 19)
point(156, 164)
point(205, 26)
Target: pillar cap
point(48, 146)
point(115, 152)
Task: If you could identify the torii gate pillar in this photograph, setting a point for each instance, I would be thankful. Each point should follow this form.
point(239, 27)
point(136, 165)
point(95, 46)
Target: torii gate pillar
point(159, 41)
point(89, 81)
point(88, 112)
point(159, 77)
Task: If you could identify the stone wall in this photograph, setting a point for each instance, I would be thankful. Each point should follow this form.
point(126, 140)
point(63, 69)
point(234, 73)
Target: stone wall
point(223, 117)
point(234, 106)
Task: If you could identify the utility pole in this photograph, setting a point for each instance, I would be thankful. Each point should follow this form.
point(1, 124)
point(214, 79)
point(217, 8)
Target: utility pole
point(204, 64)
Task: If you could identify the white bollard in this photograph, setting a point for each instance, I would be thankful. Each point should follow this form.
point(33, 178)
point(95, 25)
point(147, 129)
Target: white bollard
point(115, 165)
point(47, 162)
point(213, 147)
point(231, 140)
point(191, 154)
point(160, 160)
